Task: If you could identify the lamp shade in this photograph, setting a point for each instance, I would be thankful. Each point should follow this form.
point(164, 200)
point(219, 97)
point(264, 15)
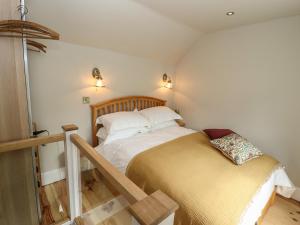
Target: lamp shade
point(169, 84)
point(99, 83)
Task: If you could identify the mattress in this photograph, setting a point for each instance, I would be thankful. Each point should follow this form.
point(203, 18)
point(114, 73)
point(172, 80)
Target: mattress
point(120, 153)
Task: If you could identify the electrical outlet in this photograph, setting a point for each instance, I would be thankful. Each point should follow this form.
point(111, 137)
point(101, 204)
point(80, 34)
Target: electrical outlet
point(85, 100)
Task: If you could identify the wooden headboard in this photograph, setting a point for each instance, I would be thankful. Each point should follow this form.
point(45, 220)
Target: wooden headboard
point(121, 104)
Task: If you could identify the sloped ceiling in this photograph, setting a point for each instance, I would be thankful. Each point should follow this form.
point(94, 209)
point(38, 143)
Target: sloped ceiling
point(120, 25)
point(162, 30)
point(210, 15)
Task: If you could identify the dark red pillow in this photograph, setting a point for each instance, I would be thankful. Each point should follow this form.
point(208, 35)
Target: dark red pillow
point(217, 133)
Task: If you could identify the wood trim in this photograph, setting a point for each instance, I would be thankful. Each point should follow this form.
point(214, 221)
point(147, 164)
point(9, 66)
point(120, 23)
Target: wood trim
point(153, 209)
point(125, 186)
point(266, 208)
point(69, 127)
point(18, 203)
point(30, 142)
point(128, 103)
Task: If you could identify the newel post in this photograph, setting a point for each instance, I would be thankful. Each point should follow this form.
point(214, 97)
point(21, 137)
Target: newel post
point(72, 162)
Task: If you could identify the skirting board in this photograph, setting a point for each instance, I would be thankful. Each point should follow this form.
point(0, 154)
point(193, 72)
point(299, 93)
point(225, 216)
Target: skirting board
point(296, 195)
point(52, 176)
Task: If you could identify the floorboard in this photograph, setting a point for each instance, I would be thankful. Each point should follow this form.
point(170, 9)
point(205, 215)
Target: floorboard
point(283, 212)
point(96, 191)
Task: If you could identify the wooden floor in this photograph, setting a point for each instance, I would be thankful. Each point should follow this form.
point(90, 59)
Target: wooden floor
point(54, 203)
point(95, 192)
point(283, 212)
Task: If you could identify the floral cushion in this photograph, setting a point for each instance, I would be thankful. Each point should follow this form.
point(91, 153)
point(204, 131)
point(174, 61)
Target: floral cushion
point(236, 148)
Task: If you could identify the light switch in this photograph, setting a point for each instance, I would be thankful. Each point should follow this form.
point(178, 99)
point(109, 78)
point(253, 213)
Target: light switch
point(85, 100)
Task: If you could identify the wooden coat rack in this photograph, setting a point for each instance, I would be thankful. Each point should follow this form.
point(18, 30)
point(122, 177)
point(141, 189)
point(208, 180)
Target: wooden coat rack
point(27, 29)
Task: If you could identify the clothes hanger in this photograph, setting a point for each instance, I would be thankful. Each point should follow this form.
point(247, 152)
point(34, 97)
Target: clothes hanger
point(35, 46)
point(26, 29)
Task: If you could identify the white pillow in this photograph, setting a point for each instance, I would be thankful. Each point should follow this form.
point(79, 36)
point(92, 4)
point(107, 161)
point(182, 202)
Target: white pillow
point(100, 141)
point(171, 123)
point(160, 114)
point(117, 121)
point(102, 133)
point(121, 134)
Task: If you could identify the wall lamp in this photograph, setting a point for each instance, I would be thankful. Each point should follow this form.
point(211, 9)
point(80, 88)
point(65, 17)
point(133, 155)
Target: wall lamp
point(97, 75)
point(167, 83)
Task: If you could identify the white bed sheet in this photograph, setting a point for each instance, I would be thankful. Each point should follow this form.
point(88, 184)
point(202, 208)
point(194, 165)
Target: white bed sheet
point(120, 152)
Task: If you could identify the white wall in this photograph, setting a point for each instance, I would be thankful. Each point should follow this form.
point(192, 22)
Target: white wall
point(247, 79)
point(60, 78)
point(120, 25)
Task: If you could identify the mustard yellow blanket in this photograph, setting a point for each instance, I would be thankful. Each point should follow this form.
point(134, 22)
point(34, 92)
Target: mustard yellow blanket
point(209, 188)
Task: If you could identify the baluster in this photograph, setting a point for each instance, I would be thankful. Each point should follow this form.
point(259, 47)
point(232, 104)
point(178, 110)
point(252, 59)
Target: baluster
point(72, 162)
point(141, 103)
point(147, 103)
point(134, 104)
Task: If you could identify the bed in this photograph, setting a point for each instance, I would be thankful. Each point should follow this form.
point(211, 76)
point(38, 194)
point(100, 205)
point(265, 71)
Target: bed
point(124, 152)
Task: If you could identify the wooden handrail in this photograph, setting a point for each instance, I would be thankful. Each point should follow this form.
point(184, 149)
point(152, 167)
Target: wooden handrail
point(154, 209)
point(30, 142)
point(125, 186)
point(147, 210)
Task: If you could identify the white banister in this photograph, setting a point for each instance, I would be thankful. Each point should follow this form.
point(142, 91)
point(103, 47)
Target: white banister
point(72, 161)
point(156, 208)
